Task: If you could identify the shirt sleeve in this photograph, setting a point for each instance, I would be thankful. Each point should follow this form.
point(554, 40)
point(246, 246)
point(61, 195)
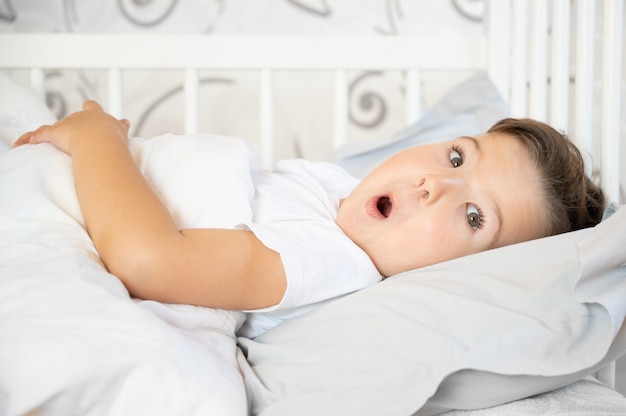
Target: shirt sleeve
point(320, 261)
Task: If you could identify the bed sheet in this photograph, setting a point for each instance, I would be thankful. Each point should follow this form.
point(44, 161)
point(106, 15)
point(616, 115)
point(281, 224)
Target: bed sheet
point(72, 341)
point(582, 398)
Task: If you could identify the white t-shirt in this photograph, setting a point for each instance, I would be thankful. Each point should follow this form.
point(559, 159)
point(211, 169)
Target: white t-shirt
point(295, 208)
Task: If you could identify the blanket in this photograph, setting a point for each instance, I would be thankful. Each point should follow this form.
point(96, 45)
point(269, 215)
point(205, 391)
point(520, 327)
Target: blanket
point(72, 341)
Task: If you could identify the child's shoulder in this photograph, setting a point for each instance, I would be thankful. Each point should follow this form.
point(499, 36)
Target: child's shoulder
point(332, 177)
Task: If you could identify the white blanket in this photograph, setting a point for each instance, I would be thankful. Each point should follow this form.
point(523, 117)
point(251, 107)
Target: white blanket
point(71, 339)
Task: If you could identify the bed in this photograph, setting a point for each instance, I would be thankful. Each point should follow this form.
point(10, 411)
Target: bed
point(534, 328)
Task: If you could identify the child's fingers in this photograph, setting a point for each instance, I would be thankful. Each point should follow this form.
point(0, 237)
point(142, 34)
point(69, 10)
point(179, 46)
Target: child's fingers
point(33, 137)
point(92, 105)
point(57, 134)
point(23, 139)
point(28, 137)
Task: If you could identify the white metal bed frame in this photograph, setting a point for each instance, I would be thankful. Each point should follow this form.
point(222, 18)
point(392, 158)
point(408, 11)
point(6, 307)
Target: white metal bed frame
point(527, 48)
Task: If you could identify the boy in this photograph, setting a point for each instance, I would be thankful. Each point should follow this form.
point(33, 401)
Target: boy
point(310, 240)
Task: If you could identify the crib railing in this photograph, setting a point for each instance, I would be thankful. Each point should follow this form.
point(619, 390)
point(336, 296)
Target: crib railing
point(546, 36)
point(264, 55)
point(527, 49)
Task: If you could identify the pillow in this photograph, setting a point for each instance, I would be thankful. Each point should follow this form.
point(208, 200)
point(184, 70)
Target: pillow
point(471, 107)
point(510, 322)
point(21, 110)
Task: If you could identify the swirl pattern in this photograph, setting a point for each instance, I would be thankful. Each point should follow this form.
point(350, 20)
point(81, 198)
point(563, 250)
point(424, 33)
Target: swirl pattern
point(146, 12)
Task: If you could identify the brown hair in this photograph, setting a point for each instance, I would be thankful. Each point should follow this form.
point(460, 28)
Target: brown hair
point(573, 200)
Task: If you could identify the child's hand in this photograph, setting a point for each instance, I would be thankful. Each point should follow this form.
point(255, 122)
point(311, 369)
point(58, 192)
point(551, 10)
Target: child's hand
point(77, 126)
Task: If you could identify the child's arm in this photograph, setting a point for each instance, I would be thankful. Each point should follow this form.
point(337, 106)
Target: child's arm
point(137, 237)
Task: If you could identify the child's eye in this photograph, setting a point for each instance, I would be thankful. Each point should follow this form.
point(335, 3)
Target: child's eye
point(474, 216)
point(456, 157)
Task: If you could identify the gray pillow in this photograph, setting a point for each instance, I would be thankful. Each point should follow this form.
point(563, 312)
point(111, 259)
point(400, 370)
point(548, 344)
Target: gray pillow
point(473, 332)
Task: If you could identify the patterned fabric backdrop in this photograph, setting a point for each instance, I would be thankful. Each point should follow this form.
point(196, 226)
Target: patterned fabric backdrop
point(153, 100)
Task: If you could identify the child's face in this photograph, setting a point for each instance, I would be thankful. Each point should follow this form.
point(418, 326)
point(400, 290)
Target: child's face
point(437, 202)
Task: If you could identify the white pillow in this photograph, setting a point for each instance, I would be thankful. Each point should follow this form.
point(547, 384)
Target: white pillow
point(473, 332)
point(21, 110)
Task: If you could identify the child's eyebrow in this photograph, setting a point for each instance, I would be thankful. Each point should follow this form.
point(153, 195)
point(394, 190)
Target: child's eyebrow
point(473, 140)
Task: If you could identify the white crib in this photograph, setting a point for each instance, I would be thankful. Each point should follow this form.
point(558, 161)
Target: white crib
point(556, 61)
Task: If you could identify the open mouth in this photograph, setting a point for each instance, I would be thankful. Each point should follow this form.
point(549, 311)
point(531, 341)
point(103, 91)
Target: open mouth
point(384, 206)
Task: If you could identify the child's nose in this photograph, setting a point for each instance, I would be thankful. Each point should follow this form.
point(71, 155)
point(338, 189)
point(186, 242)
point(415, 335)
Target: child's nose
point(434, 186)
